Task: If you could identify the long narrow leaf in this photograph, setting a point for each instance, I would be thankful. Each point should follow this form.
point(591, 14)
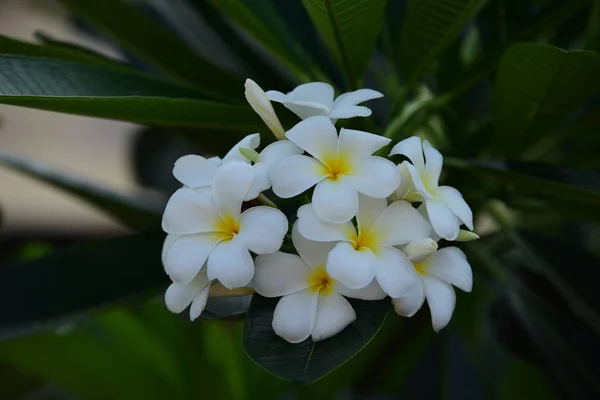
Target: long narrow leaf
point(133, 210)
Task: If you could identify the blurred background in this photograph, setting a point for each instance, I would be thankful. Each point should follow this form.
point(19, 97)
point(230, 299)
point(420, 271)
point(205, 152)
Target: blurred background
point(500, 344)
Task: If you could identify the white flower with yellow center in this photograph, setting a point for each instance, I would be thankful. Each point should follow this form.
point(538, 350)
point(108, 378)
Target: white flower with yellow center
point(341, 168)
point(316, 98)
point(367, 252)
point(436, 273)
point(214, 230)
point(197, 172)
point(313, 303)
point(444, 205)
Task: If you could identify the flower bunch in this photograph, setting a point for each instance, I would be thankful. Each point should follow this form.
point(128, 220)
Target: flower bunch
point(364, 227)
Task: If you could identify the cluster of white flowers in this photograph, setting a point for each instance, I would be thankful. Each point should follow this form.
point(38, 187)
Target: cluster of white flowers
point(360, 236)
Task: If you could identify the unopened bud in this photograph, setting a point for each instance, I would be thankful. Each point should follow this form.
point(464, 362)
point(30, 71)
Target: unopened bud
point(420, 248)
point(466, 236)
point(251, 155)
point(261, 104)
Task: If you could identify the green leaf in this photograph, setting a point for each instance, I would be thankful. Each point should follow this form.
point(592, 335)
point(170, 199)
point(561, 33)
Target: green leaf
point(133, 210)
point(79, 280)
point(87, 90)
point(17, 47)
point(538, 87)
point(429, 27)
point(147, 39)
point(308, 362)
point(350, 29)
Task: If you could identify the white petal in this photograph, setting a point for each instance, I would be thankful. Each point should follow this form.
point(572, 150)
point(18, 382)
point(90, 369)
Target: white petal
point(313, 253)
point(455, 202)
point(372, 291)
point(179, 296)
point(405, 181)
point(355, 97)
point(399, 224)
point(231, 264)
point(317, 136)
point(169, 239)
point(295, 174)
point(375, 177)
point(262, 229)
point(442, 219)
point(314, 92)
point(186, 256)
point(199, 303)
point(295, 315)
point(451, 265)
point(349, 112)
point(280, 274)
point(195, 171)
point(260, 103)
point(408, 305)
point(417, 183)
point(260, 183)
point(358, 144)
point(394, 271)
point(433, 166)
point(305, 109)
point(411, 148)
point(278, 150)
point(312, 228)
point(441, 300)
point(335, 200)
point(232, 183)
point(369, 210)
point(420, 248)
point(334, 313)
point(251, 141)
point(188, 212)
point(354, 269)
point(279, 97)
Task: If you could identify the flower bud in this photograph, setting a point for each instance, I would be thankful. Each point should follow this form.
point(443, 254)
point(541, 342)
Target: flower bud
point(420, 248)
point(262, 106)
point(466, 236)
point(251, 155)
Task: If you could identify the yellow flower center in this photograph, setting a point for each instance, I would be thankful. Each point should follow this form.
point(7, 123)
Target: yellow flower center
point(421, 268)
point(363, 241)
point(320, 281)
point(336, 165)
point(226, 227)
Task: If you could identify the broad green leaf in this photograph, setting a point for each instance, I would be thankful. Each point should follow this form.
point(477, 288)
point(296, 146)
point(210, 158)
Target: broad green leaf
point(110, 356)
point(13, 46)
point(350, 29)
point(429, 27)
point(538, 87)
point(147, 39)
point(86, 90)
point(79, 280)
point(307, 362)
point(133, 210)
point(260, 20)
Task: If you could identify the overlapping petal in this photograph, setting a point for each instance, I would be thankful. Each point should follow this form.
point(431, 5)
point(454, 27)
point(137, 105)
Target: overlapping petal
point(251, 141)
point(370, 292)
point(399, 224)
point(262, 229)
point(335, 200)
point(311, 227)
point(408, 305)
point(369, 209)
point(352, 268)
point(195, 171)
point(295, 314)
point(433, 165)
point(394, 272)
point(442, 219)
point(295, 174)
point(451, 265)
point(441, 300)
point(187, 212)
point(358, 144)
point(375, 177)
point(313, 253)
point(411, 148)
point(455, 202)
point(186, 255)
point(231, 264)
point(231, 184)
point(317, 136)
point(280, 274)
point(179, 296)
point(334, 313)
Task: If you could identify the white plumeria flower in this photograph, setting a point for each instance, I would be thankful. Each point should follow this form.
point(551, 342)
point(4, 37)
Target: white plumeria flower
point(436, 273)
point(367, 252)
point(313, 303)
point(445, 206)
point(341, 168)
point(260, 103)
point(316, 98)
point(214, 230)
point(197, 172)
